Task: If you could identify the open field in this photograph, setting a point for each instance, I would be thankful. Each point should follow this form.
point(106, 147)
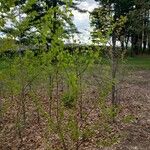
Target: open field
point(74, 75)
point(131, 129)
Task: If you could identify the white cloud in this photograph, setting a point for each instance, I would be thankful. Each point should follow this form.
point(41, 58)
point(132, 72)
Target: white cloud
point(82, 20)
point(88, 5)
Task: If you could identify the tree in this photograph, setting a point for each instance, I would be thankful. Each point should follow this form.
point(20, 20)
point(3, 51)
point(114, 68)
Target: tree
point(136, 27)
point(31, 17)
point(109, 23)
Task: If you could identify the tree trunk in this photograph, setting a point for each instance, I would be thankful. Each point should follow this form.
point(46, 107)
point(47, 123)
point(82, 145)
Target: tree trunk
point(149, 32)
point(140, 42)
point(114, 57)
point(126, 42)
point(122, 40)
point(149, 43)
point(144, 33)
point(135, 48)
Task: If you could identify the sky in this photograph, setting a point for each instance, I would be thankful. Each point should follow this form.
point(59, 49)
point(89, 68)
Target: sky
point(82, 20)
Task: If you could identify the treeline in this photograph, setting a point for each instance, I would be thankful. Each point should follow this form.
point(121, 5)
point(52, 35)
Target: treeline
point(33, 23)
point(135, 32)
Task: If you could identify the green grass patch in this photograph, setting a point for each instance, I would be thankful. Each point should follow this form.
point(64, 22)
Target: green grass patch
point(139, 62)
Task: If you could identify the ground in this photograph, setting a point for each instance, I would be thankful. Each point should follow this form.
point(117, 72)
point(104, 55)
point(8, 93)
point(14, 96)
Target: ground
point(137, 99)
point(134, 127)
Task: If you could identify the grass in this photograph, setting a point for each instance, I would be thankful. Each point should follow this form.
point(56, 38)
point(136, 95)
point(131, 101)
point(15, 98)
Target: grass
point(4, 63)
point(139, 62)
point(135, 63)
